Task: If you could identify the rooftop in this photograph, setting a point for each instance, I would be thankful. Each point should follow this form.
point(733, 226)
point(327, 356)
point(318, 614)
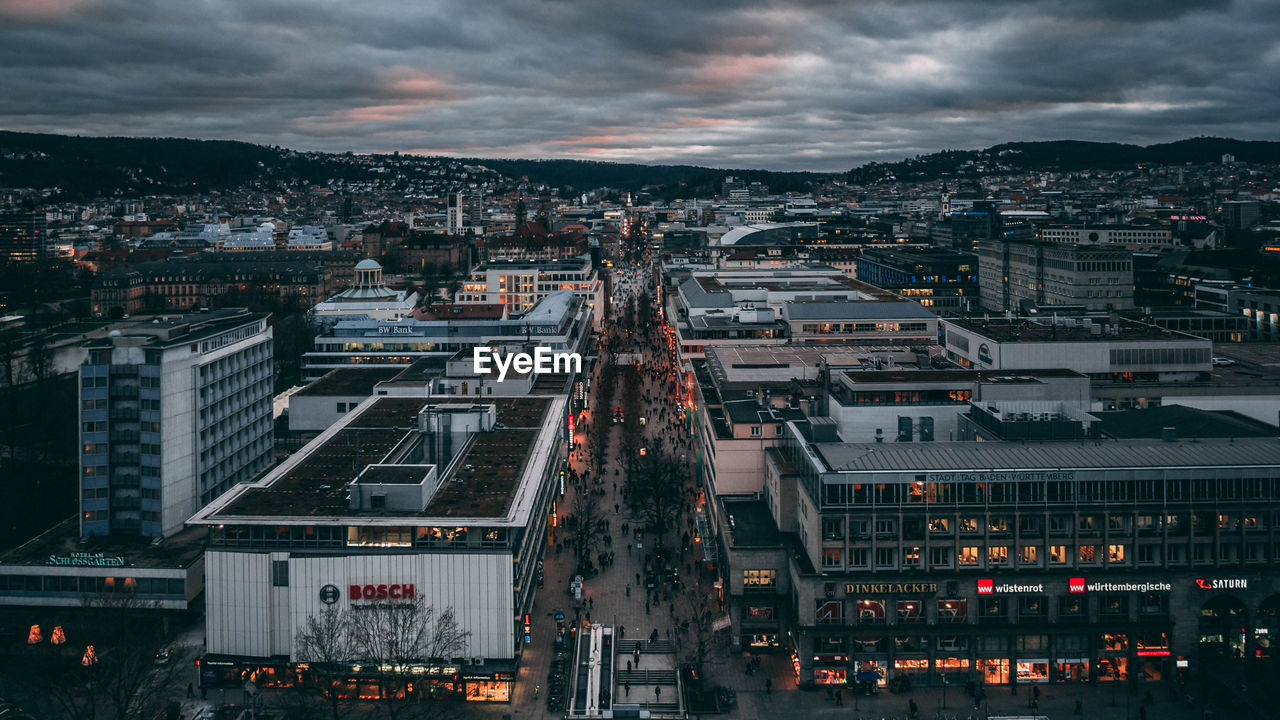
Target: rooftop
point(179, 328)
point(996, 456)
point(357, 382)
point(750, 523)
point(958, 376)
point(1189, 423)
point(868, 310)
point(488, 468)
point(1023, 330)
point(176, 551)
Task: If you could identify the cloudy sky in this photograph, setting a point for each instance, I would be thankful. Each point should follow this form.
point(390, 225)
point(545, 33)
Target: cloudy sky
point(729, 83)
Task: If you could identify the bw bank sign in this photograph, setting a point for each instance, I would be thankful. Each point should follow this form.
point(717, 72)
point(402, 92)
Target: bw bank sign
point(543, 360)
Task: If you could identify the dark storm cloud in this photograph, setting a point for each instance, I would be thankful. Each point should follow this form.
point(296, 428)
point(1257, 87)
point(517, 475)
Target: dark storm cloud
point(820, 85)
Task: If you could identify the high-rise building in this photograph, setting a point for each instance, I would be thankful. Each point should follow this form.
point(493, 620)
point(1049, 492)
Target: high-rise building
point(466, 212)
point(23, 235)
point(173, 412)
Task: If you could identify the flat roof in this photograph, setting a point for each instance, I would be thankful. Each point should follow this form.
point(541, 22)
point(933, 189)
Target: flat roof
point(394, 474)
point(965, 376)
point(488, 467)
point(751, 524)
point(1189, 422)
point(348, 382)
point(1050, 456)
point(176, 551)
point(1024, 330)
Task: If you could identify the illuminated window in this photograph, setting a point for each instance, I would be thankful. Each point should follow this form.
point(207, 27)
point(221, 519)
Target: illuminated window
point(969, 555)
point(998, 555)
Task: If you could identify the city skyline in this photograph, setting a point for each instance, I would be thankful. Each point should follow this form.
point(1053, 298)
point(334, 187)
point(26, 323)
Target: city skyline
point(818, 86)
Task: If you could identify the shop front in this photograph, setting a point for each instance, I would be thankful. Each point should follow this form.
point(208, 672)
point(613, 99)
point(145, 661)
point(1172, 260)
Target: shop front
point(1071, 670)
point(1112, 661)
point(951, 668)
point(994, 671)
point(363, 682)
point(1032, 670)
point(830, 669)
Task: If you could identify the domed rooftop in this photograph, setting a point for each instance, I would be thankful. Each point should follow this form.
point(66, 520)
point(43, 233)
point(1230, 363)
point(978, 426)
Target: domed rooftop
point(368, 264)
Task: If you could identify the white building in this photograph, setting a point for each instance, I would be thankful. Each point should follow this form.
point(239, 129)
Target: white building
point(519, 285)
point(401, 499)
point(172, 413)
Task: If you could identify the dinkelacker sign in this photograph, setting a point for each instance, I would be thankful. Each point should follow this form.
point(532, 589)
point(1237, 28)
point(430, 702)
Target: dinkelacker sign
point(891, 588)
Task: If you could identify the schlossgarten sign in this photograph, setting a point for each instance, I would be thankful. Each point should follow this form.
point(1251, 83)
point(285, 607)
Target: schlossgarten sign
point(542, 361)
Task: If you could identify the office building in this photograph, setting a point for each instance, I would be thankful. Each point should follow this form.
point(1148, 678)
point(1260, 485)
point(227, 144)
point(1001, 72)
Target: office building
point(805, 304)
point(519, 285)
point(172, 413)
point(447, 502)
point(1121, 551)
point(466, 212)
point(560, 321)
point(940, 280)
point(1014, 274)
point(1134, 237)
point(24, 236)
point(1105, 351)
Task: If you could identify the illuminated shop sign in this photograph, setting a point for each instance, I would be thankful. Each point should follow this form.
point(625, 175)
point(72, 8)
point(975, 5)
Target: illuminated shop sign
point(1079, 585)
point(988, 586)
point(1222, 583)
point(86, 559)
point(891, 588)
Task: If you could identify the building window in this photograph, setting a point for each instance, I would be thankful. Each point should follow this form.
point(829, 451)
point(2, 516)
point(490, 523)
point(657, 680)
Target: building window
point(1116, 555)
point(997, 555)
point(755, 431)
point(831, 558)
point(1088, 554)
point(279, 573)
point(911, 557)
point(940, 557)
point(886, 557)
point(832, 529)
point(859, 557)
point(968, 555)
point(759, 579)
point(1029, 555)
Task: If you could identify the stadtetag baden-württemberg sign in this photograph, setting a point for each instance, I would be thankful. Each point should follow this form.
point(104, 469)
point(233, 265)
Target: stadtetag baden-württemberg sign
point(85, 559)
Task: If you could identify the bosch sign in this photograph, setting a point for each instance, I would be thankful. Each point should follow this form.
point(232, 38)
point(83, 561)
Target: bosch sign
point(380, 592)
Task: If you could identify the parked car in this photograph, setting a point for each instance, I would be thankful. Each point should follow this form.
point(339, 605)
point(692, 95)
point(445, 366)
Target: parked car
point(1223, 362)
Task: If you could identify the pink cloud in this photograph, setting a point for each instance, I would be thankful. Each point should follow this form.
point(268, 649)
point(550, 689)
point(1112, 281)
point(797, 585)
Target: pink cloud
point(719, 73)
point(40, 9)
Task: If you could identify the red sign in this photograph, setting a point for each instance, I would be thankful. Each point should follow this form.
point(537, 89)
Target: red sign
point(1075, 585)
point(1153, 653)
point(986, 587)
point(380, 592)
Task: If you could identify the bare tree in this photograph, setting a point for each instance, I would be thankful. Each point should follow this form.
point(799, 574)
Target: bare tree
point(324, 642)
point(393, 638)
point(653, 491)
point(587, 527)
